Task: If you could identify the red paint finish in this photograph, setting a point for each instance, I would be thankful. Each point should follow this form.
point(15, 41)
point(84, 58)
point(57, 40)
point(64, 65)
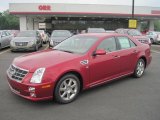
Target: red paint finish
point(99, 69)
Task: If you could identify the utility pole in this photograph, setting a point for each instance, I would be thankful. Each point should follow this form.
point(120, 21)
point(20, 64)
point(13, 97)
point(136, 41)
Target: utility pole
point(132, 9)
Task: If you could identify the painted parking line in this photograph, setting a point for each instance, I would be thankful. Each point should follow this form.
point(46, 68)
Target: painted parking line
point(155, 51)
point(4, 51)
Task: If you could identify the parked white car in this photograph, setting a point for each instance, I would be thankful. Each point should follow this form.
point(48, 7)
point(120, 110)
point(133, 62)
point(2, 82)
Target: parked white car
point(154, 36)
point(5, 38)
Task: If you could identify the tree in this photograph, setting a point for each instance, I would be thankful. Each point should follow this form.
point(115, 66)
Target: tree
point(8, 21)
point(157, 25)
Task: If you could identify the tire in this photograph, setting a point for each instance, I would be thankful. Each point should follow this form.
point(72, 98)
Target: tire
point(0, 47)
point(67, 89)
point(36, 47)
point(152, 41)
point(140, 68)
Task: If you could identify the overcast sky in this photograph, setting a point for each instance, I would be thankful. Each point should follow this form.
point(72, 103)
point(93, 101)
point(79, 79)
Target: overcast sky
point(4, 4)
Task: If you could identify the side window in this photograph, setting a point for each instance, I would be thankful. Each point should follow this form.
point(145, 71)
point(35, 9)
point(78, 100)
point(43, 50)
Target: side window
point(108, 44)
point(123, 42)
point(132, 43)
point(4, 34)
point(7, 33)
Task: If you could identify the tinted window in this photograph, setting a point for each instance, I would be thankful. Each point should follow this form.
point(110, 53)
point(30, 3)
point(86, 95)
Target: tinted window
point(108, 44)
point(124, 42)
point(132, 43)
point(27, 34)
point(76, 44)
point(61, 33)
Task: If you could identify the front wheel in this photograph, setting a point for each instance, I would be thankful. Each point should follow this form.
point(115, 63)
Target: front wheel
point(67, 89)
point(140, 68)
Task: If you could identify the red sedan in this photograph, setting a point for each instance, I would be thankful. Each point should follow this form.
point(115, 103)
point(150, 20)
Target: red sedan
point(78, 63)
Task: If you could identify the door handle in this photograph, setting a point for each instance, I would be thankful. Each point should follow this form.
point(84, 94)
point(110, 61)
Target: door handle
point(116, 56)
point(135, 51)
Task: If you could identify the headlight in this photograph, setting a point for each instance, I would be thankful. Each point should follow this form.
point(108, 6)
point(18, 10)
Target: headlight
point(31, 42)
point(37, 76)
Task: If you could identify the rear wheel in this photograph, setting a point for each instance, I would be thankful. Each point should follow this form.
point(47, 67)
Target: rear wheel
point(140, 68)
point(67, 89)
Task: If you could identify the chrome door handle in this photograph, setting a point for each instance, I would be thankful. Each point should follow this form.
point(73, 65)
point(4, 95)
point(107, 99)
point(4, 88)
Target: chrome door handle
point(116, 56)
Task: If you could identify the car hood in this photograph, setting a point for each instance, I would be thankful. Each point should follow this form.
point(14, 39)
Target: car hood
point(23, 39)
point(59, 39)
point(47, 58)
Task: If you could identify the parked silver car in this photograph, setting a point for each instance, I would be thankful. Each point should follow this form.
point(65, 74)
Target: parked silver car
point(58, 36)
point(26, 40)
point(96, 30)
point(5, 38)
point(154, 36)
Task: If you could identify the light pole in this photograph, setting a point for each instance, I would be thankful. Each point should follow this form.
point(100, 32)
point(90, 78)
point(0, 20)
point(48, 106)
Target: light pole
point(132, 9)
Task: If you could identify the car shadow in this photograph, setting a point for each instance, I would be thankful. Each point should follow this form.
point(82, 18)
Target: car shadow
point(106, 85)
point(48, 103)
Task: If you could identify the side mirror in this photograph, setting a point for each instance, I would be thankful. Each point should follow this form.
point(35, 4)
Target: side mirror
point(99, 52)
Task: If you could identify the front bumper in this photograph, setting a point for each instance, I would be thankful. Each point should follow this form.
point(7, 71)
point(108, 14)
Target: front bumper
point(42, 91)
point(23, 48)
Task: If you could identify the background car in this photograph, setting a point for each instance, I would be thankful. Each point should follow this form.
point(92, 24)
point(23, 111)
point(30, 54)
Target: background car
point(44, 36)
point(78, 63)
point(95, 30)
point(110, 31)
point(154, 36)
point(5, 38)
point(136, 34)
point(26, 40)
point(58, 36)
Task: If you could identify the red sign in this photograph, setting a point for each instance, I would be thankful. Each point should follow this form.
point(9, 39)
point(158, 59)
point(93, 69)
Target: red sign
point(44, 7)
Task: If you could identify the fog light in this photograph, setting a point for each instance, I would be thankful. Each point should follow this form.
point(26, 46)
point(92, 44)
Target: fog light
point(31, 89)
point(32, 94)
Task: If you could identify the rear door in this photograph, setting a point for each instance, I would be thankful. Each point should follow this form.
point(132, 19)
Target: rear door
point(128, 54)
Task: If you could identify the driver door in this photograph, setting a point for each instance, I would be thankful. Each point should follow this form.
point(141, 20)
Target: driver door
point(105, 67)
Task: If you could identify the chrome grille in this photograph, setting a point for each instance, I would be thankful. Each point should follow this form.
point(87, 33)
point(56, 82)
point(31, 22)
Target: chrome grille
point(21, 43)
point(16, 73)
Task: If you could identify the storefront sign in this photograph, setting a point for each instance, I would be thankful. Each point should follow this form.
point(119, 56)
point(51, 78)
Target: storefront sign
point(44, 7)
point(132, 23)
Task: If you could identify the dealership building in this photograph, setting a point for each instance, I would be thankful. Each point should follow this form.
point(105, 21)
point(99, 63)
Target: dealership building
point(69, 16)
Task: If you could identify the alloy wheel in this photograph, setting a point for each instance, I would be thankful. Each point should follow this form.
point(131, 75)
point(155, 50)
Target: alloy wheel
point(68, 89)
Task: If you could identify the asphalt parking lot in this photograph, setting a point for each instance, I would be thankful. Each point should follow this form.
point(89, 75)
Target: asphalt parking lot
point(124, 99)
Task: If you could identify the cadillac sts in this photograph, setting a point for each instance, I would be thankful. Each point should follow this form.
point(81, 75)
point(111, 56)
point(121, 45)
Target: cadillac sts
point(78, 63)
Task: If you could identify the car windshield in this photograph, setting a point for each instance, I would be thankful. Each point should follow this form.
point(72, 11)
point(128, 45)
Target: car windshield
point(76, 44)
point(96, 30)
point(134, 33)
point(27, 34)
point(61, 34)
